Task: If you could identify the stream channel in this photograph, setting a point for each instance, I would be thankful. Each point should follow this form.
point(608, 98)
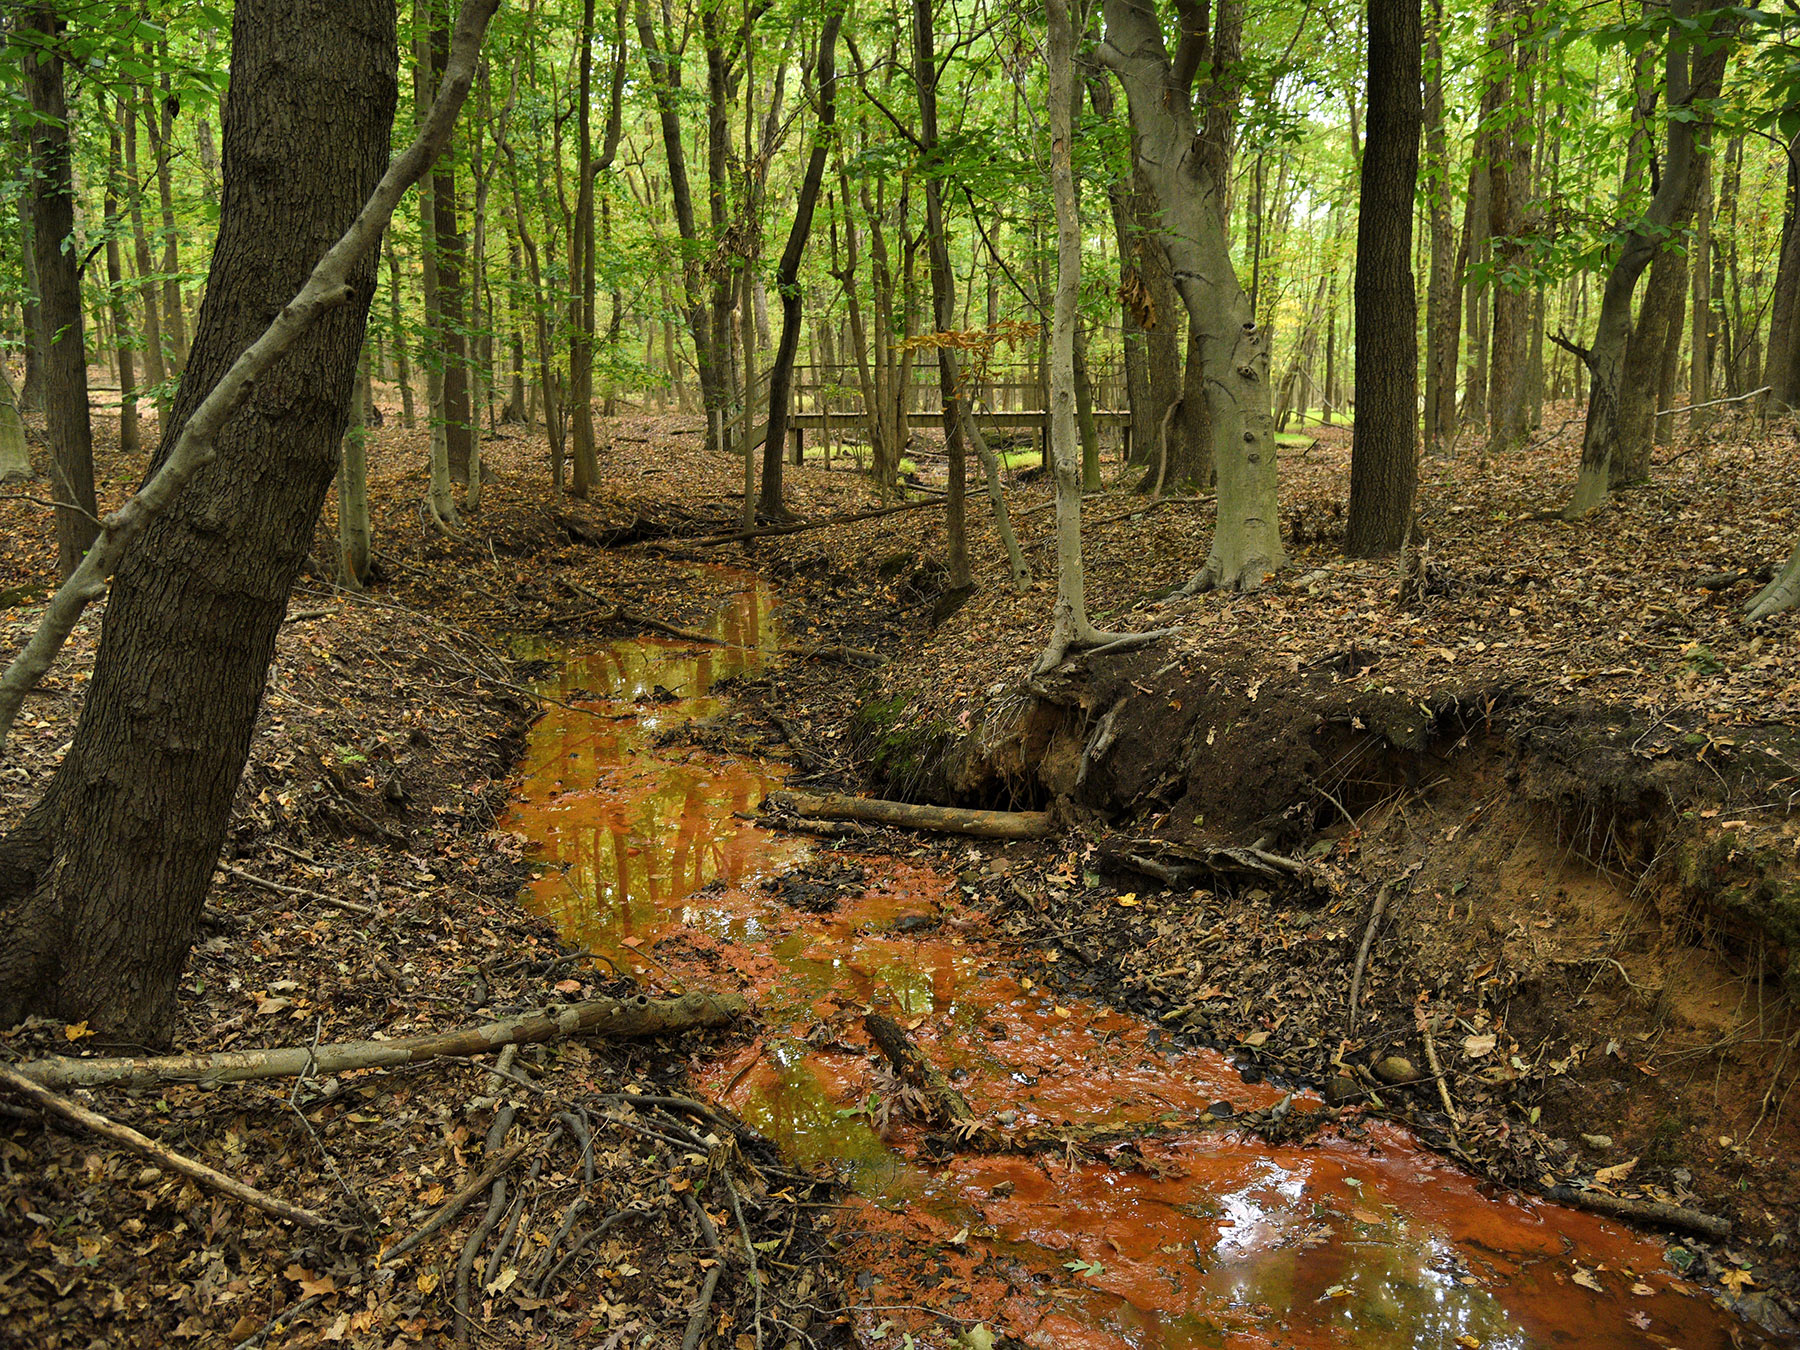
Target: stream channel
point(1210, 1239)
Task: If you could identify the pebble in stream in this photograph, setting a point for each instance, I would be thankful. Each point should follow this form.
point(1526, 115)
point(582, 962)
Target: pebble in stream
point(1215, 1239)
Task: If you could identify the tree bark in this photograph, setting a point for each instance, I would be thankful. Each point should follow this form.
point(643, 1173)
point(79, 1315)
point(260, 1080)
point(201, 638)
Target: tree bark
point(102, 882)
point(59, 292)
point(159, 120)
point(787, 272)
point(403, 374)
point(15, 457)
point(1384, 451)
point(1246, 547)
point(1782, 369)
point(1508, 185)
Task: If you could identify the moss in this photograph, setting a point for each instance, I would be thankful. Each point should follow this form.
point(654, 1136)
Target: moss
point(902, 753)
point(1753, 893)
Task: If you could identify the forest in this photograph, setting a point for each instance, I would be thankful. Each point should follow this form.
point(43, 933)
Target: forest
point(899, 673)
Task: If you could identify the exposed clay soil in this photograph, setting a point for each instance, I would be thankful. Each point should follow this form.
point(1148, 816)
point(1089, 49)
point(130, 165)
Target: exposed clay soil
point(1570, 760)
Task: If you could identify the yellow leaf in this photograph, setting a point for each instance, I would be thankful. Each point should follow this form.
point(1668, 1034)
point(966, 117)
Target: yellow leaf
point(427, 1281)
point(1062, 1012)
point(77, 1031)
point(1736, 1280)
point(1256, 1038)
point(1368, 1216)
point(1585, 1278)
point(1129, 899)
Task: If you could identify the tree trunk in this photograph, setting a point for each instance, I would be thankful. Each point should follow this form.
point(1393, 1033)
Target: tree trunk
point(1700, 275)
point(353, 489)
point(403, 374)
point(15, 456)
point(1508, 186)
point(1441, 310)
point(160, 121)
point(1692, 83)
point(31, 391)
point(130, 441)
point(156, 369)
point(447, 243)
point(1475, 293)
point(1234, 356)
point(1782, 371)
point(787, 272)
point(102, 883)
point(665, 80)
point(59, 292)
point(943, 292)
point(1384, 451)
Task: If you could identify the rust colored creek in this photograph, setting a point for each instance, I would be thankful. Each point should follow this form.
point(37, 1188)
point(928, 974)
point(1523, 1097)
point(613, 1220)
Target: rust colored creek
point(1216, 1239)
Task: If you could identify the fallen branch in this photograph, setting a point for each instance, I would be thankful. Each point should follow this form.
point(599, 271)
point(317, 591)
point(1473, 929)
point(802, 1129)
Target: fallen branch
point(1437, 1070)
point(640, 1016)
point(891, 1039)
point(1656, 1212)
point(1362, 955)
point(331, 901)
point(907, 815)
point(1175, 864)
point(1713, 403)
point(766, 531)
point(454, 1205)
point(126, 1137)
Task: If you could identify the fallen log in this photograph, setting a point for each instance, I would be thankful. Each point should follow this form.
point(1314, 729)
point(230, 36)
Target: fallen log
point(640, 1016)
point(126, 1137)
point(1657, 1212)
point(907, 816)
point(798, 527)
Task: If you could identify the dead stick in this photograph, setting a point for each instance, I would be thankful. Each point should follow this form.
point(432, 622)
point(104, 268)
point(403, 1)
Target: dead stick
point(639, 1016)
point(124, 1135)
point(1362, 954)
point(454, 1205)
point(1437, 1072)
point(907, 815)
point(348, 906)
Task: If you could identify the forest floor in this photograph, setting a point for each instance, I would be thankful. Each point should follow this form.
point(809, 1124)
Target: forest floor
point(1564, 758)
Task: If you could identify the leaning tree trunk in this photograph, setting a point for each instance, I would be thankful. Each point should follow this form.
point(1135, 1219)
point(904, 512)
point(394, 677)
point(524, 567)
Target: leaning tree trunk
point(101, 884)
point(1246, 546)
point(1384, 452)
point(1692, 83)
point(59, 294)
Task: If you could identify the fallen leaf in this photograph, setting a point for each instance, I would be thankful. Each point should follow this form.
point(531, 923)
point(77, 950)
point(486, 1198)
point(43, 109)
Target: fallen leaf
point(1477, 1046)
point(1736, 1280)
point(1606, 1176)
point(1585, 1278)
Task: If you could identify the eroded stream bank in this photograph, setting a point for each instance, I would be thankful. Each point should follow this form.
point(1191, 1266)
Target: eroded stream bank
point(1207, 1238)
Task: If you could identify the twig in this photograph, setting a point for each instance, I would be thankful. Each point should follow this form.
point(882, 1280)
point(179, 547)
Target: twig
point(348, 906)
point(737, 1211)
point(1362, 954)
point(127, 1137)
point(1644, 1211)
point(1437, 1072)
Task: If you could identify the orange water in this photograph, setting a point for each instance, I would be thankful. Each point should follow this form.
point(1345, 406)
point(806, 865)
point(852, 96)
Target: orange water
point(1208, 1239)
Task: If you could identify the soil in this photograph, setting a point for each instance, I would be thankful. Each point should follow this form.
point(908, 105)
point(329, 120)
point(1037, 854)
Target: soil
point(1567, 763)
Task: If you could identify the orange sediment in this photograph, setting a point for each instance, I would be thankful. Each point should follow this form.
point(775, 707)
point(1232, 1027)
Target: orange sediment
point(1212, 1238)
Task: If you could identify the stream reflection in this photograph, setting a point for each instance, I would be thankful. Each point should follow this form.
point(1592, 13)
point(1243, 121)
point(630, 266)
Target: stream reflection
point(1212, 1240)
